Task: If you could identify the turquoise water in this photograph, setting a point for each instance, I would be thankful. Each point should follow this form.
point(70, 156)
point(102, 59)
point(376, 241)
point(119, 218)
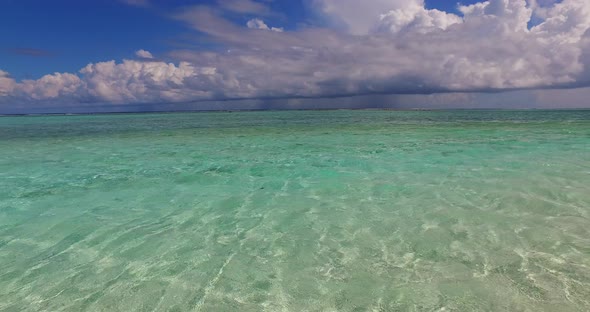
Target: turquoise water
point(296, 211)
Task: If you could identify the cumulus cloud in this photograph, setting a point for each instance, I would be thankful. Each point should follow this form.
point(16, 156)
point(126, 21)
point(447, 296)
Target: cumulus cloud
point(259, 24)
point(144, 54)
point(364, 17)
point(49, 86)
point(416, 18)
point(6, 83)
point(359, 17)
point(126, 82)
point(409, 49)
point(372, 47)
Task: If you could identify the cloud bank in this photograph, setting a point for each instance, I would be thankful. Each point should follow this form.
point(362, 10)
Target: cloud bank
point(369, 47)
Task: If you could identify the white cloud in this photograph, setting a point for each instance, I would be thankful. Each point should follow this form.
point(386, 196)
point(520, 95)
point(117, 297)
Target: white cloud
point(50, 86)
point(6, 83)
point(360, 17)
point(364, 17)
point(133, 81)
point(416, 18)
point(259, 24)
point(388, 47)
point(126, 82)
point(514, 15)
point(144, 54)
point(419, 52)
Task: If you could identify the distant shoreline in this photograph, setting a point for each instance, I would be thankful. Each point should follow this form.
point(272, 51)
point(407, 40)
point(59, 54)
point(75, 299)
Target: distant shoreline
point(294, 110)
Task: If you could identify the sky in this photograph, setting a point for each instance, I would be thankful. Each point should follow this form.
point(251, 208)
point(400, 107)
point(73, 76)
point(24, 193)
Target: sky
point(158, 55)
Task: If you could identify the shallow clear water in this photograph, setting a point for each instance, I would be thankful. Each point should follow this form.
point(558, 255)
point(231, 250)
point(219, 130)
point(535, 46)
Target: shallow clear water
point(296, 211)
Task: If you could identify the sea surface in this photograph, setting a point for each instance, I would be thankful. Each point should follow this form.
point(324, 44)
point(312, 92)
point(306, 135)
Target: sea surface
point(296, 211)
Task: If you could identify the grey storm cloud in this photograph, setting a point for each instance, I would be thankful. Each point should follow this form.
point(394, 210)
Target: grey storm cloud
point(373, 47)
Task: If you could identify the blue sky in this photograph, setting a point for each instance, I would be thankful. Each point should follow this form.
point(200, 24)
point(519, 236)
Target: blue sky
point(40, 37)
point(71, 54)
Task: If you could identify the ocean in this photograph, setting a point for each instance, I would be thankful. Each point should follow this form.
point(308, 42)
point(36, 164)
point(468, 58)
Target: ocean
point(296, 211)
